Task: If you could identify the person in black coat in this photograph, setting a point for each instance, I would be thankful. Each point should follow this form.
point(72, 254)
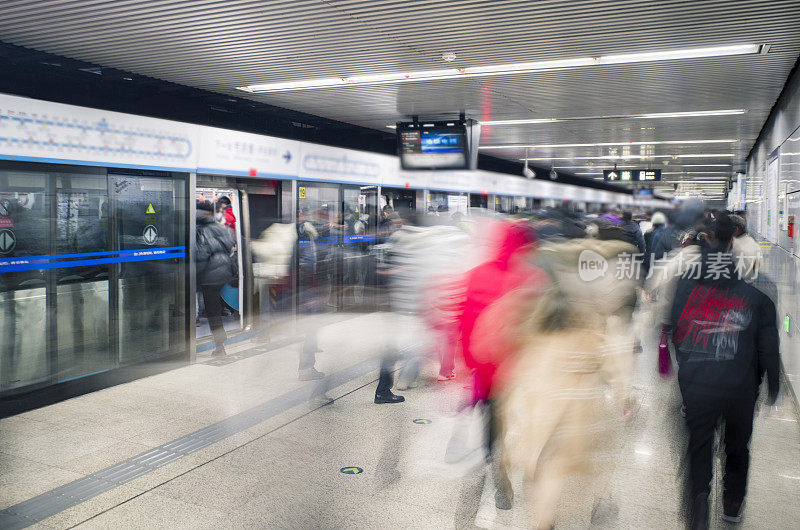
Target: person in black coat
point(726, 339)
point(215, 268)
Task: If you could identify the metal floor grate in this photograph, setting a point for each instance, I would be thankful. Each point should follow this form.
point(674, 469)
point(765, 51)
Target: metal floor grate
point(59, 499)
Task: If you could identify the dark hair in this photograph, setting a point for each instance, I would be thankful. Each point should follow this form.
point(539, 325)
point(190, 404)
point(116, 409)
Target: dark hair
point(723, 227)
point(205, 206)
point(224, 200)
point(627, 216)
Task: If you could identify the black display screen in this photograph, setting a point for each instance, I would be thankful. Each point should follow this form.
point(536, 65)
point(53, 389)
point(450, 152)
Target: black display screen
point(435, 145)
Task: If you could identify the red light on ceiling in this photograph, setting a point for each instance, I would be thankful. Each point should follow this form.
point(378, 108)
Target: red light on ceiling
point(484, 192)
point(253, 172)
point(408, 185)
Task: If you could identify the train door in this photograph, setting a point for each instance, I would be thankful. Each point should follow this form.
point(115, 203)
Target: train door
point(359, 234)
point(96, 263)
point(478, 200)
point(319, 216)
point(271, 237)
point(147, 296)
point(401, 200)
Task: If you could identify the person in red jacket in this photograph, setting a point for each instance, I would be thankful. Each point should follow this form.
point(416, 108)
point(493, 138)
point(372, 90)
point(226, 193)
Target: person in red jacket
point(507, 269)
point(224, 205)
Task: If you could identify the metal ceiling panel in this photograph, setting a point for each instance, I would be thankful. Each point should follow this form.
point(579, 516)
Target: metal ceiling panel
point(221, 44)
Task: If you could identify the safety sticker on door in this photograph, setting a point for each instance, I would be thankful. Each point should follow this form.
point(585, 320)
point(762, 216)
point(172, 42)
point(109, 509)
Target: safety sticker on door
point(150, 234)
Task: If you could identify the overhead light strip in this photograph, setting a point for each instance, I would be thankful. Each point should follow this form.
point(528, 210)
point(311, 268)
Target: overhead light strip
point(628, 157)
point(501, 69)
point(610, 144)
point(660, 115)
point(649, 116)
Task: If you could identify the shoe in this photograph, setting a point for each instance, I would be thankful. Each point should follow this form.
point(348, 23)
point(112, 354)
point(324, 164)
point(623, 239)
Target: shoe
point(700, 512)
point(310, 374)
point(732, 511)
point(388, 397)
point(446, 377)
point(219, 352)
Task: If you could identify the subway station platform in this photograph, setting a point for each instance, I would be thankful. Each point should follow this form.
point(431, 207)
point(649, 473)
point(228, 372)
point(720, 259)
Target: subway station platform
point(244, 444)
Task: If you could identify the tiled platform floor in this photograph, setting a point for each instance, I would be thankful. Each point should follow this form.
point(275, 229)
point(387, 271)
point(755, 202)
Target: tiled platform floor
point(285, 472)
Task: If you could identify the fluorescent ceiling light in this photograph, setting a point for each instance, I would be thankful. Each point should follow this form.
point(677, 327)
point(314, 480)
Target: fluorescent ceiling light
point(501, 69)
point(520, 122)
point(691, 114)
point(610, 144)
point(651, 116)
point(628, 157)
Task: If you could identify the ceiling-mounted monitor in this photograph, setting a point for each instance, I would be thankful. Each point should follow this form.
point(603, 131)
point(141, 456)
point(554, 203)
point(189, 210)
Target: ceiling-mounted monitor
point(438, 144)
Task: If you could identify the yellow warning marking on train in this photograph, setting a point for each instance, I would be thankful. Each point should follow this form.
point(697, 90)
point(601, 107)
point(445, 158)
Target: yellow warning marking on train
point(150, 209)
point(301, 192)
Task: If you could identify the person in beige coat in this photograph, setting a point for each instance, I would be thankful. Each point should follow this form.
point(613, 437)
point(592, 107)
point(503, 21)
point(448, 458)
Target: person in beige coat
point(574, 344)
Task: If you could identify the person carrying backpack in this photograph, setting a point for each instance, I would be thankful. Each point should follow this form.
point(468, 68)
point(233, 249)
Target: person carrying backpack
point(726, 338)
point(215, 268)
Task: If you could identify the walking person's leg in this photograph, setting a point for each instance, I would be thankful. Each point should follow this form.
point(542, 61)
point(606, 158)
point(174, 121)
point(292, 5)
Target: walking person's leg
point(738, 429)
point(701, 418)
point(213, 304)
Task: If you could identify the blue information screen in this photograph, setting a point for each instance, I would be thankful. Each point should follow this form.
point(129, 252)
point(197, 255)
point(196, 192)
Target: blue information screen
point(442, 142)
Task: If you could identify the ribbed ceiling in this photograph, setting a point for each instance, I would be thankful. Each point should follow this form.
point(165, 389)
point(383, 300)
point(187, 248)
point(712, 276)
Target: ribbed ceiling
point(221, 44)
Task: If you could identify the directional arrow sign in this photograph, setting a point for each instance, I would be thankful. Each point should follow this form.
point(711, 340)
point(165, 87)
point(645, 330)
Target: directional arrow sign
point(287, 156)
point(150, 233)
point(7, 241)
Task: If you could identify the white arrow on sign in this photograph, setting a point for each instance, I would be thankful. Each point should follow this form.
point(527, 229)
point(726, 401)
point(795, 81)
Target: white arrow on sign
point(5, 207)
point(7, 241)
point(150, 234)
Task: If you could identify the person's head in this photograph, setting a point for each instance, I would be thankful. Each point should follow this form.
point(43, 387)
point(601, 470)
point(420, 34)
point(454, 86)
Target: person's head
point(658, 219)
point(204, 209)
point(740, 225)
point(223, 203)
point(720, 230)
point(627, 216)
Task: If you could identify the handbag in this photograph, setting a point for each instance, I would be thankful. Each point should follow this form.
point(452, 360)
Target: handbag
point(664, 359)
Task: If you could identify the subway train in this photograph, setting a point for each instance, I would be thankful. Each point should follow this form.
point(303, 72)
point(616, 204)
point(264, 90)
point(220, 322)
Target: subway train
point(97, 219)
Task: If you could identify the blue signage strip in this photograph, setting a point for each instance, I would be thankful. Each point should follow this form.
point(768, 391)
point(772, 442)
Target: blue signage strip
point(329, 240)
point(359, 238)
point(32, 263)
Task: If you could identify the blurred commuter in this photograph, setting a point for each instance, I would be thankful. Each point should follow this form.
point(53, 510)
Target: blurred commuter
point(272, 253)
point(313, 268)
point(657, 241)
point(632, 227)
point(726, 337)
point(746, 251)
point(552, 396)
point(400, 267)
point(506, 270)
point(215, 268)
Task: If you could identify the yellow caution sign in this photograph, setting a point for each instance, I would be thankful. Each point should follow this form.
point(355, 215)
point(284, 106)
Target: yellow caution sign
point(150, 209)
point(301, 192)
